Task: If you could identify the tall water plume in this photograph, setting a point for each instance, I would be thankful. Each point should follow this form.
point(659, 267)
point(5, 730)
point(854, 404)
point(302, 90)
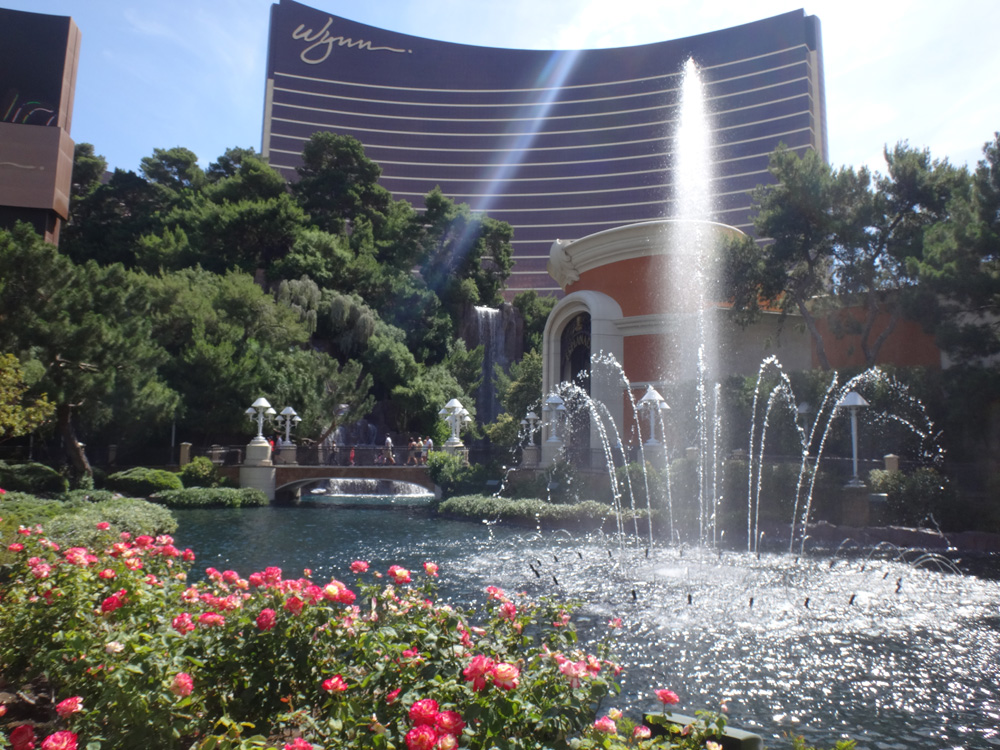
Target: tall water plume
point(691, 353)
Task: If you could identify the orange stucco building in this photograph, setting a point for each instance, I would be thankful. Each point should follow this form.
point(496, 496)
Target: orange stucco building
point(628, 296)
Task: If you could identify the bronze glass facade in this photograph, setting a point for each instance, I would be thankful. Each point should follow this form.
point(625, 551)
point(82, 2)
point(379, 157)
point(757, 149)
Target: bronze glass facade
point(560, 144)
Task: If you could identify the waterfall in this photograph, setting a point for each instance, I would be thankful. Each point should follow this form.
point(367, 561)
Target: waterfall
point(491, 335)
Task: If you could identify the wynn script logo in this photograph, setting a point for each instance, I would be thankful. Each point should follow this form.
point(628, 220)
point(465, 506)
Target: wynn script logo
point(320, 43)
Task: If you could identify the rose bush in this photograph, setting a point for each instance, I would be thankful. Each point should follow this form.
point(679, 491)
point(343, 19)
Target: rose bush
point(137, 656)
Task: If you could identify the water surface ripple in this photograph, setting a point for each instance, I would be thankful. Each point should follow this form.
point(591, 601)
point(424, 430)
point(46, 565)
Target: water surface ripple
point(879, 651)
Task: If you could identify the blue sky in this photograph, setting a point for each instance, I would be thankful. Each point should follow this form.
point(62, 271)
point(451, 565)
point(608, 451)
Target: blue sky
point(163, 73)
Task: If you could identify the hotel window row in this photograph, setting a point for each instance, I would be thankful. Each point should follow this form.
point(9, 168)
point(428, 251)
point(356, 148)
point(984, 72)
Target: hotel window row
point(559, 144)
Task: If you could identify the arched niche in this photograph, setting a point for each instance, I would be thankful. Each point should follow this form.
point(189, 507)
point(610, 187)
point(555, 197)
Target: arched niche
point(566, 337)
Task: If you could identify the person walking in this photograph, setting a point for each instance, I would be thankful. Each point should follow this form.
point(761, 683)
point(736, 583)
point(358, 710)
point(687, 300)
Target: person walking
point(389, 458)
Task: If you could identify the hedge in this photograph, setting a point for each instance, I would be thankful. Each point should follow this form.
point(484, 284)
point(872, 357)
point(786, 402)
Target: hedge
point(143, 482)
point(210, 497)
point(31, 477)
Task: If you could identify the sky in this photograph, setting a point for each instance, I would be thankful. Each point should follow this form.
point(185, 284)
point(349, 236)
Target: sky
point(164, 73)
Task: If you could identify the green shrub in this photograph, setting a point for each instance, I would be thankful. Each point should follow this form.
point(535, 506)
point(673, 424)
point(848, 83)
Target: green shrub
point(210, 497)
point(915, 497)
point(23, 509)
point(91, 496)
point(526, 512)
point(124, 514)
point(72, 522)
point(200, 472)
point(143, 482)
point(453, 475)
point(31, 477)
point(155, 661)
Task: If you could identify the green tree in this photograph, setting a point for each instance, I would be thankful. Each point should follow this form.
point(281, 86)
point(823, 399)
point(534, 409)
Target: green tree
point(840, 241)
point(228, 165)
point(220, 333)
point(323, 392)
point(174, 168)
point(960, 269)
point(338, 183)
point(245, 235)
point(518, 393)
point(108, 222)
point(87, 329)
point(534, 311)
point(88, 169)
point(467, 256)
point(242, 175)
point(19, 414)
point(521, 390)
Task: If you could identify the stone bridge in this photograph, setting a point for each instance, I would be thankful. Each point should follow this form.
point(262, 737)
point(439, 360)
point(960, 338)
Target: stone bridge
point(291, 477)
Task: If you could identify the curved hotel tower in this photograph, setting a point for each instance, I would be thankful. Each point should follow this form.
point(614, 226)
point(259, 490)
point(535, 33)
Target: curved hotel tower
point(560, 144)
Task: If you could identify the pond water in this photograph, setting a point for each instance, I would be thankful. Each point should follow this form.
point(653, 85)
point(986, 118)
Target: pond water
point(892, 654)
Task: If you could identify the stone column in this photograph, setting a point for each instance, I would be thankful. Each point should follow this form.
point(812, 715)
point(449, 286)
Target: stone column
point(185, 458)
point(287, 454)
point(258, 469)
point(855, 506)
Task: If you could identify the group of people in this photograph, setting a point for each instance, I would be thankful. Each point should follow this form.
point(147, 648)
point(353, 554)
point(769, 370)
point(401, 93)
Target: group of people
point(416, 451)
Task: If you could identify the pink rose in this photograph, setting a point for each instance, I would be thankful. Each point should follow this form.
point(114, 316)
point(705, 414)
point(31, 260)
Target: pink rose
point(606, 725)
point(103, 525)
point(393, 695)
point(576, 671)
point(69, 706)
point(22, 738)
point(298, 744)
point(359, 566)
point(60, 741)
point(113, 602)
point(399, 575)
point(642, 733)
point(182, 685)
point(430, 568)
point(183, 623)
point(272, 575)
point(294, 605)
point(667, 697)
point(266, 619)
point(424, 712)
point(508, 611)
point(211, 619)
point(505, 676)
point(478, 670)
point(334, 684)
point(450, 722)
point(422, 737)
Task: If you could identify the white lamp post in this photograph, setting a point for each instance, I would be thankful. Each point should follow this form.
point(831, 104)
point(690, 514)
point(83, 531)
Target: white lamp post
point(455, 415)
point(852, 402)
point(530, 421)
point(531, 453)
point(258, 412)
point(287, 419)
point(258, 469)
point(654, 403)
point(555, 406)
